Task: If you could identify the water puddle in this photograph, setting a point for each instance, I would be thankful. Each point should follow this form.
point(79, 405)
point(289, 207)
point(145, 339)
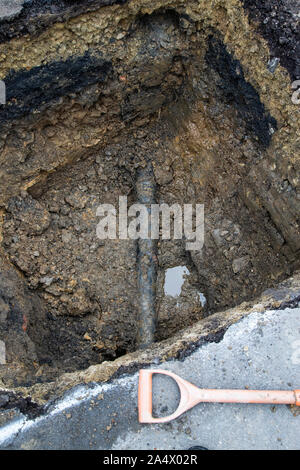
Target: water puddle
point(174, 279)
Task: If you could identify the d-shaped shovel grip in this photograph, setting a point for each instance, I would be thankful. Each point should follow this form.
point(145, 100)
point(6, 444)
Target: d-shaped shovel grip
point(190, 395)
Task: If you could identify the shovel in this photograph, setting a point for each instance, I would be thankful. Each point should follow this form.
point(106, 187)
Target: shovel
point(190, 395)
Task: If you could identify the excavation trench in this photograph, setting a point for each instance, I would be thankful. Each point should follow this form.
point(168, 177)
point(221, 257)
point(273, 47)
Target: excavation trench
point(159, 110)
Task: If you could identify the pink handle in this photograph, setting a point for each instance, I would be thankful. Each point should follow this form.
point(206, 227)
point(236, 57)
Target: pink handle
point(190, 395)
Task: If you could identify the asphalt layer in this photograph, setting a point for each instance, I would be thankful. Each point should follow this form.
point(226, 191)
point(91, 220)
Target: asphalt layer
point(262, 351)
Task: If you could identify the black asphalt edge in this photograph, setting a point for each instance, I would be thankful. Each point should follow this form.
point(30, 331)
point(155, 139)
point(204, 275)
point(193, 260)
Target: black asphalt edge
point(292, 303)
point(276, 22)
point(29, 90)
point(240, 93)
point(181, 354)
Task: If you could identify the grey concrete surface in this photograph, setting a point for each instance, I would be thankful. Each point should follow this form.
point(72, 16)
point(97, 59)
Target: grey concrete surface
point(262, 351)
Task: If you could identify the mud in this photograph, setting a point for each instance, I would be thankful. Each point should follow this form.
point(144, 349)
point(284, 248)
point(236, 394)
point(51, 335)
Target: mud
point(166, 86)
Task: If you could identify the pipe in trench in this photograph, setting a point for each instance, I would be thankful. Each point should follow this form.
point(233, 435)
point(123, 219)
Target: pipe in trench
point(147, 263)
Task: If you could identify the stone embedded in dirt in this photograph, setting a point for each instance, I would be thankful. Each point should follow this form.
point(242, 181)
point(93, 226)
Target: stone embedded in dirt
point(163, 175)
point(66, 236)
point(273, 64)
point(47, 281)
point(239, 264)
point(77, 199)
point(217, 236)
point(10, 8)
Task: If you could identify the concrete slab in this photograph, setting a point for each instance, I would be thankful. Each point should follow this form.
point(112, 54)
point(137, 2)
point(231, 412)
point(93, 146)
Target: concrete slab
point(261, 351)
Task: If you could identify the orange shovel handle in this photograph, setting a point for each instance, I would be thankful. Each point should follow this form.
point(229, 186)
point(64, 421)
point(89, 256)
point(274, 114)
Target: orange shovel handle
point(190, 395)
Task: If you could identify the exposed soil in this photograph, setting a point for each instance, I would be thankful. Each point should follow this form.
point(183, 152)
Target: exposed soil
point(167, 91)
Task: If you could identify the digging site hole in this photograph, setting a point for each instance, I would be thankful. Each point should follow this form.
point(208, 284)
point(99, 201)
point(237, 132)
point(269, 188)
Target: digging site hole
point(162, 90)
